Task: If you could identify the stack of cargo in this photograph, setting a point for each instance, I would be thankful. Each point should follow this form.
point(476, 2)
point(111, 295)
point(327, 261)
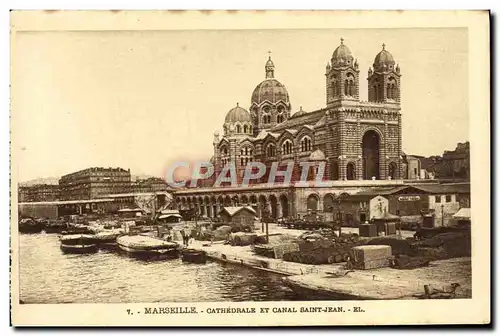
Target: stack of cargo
point(277, 247)
point(323, 251)
point(368, 230)
point(371, 256)
point(242, 238)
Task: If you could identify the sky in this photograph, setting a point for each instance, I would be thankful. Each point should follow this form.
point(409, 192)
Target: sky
point(143, 99)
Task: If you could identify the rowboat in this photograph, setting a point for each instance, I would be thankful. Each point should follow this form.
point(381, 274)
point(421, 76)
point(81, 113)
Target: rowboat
point(28, 225)
point(79, 244)
point(107, 239)
point(147, 247)
point(194, 256)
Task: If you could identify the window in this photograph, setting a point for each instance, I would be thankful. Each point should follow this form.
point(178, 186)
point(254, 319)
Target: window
point(305, 144)
point(271, 150)
point(448, 198)
point(245, 129)
point(438, 199)
point(287, 147)
point(279, 118)
point(238, 129)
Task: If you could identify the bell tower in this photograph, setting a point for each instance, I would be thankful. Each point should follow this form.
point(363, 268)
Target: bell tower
point(342, 76)
point(384, 81)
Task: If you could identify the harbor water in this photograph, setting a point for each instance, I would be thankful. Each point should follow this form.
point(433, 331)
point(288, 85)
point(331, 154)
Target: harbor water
point(49, 276)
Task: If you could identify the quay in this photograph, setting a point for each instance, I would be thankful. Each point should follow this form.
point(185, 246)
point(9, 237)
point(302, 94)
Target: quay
point(332, 280)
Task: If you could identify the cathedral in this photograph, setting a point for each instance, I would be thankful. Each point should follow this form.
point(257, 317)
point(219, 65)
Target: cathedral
point(357, 140)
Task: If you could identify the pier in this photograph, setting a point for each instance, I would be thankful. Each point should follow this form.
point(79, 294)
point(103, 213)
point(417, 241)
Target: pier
point(328, 280)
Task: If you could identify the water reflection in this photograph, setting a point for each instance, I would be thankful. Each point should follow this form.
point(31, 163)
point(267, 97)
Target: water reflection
point(49, 276)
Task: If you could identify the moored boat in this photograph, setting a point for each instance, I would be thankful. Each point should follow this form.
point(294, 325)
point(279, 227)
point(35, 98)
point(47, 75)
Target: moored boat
point(107, 239)
point(55, 226)
point(79, 244)
point(194, 256)
point(28, 225)
point(77, 229)
point(146, 247)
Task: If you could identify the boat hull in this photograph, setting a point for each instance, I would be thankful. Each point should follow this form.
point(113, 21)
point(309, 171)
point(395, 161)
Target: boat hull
point(147, 254)
point(79, 249)
point(194, 256)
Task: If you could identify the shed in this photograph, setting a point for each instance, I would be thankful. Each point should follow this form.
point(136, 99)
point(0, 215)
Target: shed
point(239, 216)
point(463, 216)
point(170, 216)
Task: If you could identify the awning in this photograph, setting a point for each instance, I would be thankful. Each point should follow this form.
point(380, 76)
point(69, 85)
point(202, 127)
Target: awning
point(463, 213)
point(169, 215)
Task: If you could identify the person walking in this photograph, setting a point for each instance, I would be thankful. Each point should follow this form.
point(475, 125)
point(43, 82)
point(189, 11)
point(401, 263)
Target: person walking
point(183, 234)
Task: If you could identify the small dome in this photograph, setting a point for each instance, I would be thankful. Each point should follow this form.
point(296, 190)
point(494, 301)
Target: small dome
point(317, 155)
point(269, 63)
point(299, 112)
point(383, 58)
point(342, 55)
point(270, 90)
point(238, 114)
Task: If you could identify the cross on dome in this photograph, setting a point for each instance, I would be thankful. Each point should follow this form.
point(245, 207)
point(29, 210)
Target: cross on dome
point(383, 46)
point(341, 40)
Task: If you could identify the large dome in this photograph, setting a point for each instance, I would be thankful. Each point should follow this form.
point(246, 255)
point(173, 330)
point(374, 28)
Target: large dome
point(270, 90)
point(342, 55)
point(383, 58)
point(238, 114)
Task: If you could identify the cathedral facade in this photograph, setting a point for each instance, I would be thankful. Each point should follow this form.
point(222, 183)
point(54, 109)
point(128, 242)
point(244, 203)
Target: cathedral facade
point(358, 140)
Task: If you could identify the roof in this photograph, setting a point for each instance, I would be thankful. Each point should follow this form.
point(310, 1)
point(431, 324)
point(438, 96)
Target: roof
point(317, 155)
point(386, 216)
point(310, 118)
point(380, 191)
point(169, 212)
point(463, 213)
point(100, 200)
point(270, 90)
point(139, 194)
point(341, 55)
point(238, 114)
point(231, 211)
point(169, 215)
point(445, 188)
point(130, 210)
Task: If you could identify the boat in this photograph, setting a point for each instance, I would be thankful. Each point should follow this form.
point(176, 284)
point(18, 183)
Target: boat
point(76, 229)
point(79, 244)
point(55, 226)
point(147, 247)
point(194, 256)
point(28, 225)
point(107, 239)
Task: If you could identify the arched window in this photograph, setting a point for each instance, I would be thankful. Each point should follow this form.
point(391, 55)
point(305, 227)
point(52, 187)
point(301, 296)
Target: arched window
point(271, 150)
point(246, 150)
point(224, 151)
point(305, 144)
point(238, 129)
point(279, 118)
point(249, 129)
point(346, 88)
point(245, 129)
point(286, 148)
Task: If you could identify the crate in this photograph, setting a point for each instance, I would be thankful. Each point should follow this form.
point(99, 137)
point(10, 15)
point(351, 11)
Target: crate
point(368, 230)
point(390, 229)
point(371, 256)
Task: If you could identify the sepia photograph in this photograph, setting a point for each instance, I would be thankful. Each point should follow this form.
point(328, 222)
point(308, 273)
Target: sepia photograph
point(262, 171)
